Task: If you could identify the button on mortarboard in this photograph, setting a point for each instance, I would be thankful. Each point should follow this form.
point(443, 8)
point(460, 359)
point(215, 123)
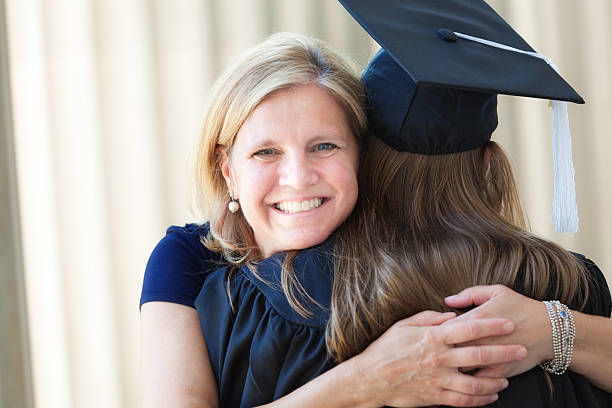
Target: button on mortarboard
point(447, 35)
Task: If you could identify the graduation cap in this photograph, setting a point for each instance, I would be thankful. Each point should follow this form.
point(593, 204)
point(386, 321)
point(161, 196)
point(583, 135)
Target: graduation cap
point(433, 86)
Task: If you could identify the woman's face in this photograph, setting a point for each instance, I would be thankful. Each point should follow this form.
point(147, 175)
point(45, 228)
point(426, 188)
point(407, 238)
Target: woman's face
point(293, 167)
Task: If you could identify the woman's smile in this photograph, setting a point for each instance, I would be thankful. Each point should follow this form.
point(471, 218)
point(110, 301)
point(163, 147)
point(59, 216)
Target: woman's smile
point(299, 206)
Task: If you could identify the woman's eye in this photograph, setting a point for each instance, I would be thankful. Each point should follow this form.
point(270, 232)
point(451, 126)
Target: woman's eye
point(325, 146)
point(264, 152)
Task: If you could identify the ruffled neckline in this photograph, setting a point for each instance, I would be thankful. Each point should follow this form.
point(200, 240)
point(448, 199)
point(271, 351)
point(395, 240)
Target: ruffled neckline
point(314, 270)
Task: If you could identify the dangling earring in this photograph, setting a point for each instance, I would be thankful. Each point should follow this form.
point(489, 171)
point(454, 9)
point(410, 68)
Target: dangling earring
point(233, 205)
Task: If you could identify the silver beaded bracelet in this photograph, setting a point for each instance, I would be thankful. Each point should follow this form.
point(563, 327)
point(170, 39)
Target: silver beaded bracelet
point(563, 335)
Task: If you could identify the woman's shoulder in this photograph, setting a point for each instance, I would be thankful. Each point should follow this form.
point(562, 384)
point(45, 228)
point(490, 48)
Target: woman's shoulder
point(599, 299)
point(190, 231)
point(179, 265)
point(184, 245)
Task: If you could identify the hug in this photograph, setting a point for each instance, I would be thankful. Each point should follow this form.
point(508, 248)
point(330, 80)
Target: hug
point(365, 243)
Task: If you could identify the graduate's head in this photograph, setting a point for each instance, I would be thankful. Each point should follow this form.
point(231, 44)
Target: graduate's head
point(275, 122)
point(433, 86)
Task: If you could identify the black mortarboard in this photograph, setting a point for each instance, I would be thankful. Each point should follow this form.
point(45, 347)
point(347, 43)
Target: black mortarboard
point(433, 87)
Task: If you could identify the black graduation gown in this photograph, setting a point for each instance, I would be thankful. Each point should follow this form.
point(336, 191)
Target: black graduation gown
point(262, 349)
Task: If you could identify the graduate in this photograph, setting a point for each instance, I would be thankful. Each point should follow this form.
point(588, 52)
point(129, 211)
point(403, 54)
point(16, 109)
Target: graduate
point(442, 202)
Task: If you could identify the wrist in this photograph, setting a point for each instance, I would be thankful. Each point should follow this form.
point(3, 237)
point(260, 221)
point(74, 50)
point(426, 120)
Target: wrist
point(564, 335)
point(547, 349)
point(358, 379)
point(587, 345)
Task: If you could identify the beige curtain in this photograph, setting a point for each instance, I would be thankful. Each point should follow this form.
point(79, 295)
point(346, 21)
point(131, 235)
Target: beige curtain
point(108, 96)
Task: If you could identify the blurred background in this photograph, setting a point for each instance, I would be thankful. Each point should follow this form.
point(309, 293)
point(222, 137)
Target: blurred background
point(101, 104)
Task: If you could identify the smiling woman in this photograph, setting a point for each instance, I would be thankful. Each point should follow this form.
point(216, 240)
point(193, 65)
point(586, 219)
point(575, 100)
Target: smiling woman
point(283, 126)
point(293, 167)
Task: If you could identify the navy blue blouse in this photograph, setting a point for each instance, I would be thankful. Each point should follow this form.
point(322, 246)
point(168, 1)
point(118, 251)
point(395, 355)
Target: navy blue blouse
point(178, 266)
point(261, 349)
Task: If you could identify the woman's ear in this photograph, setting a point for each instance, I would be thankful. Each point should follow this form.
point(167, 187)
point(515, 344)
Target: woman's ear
point(224, 165)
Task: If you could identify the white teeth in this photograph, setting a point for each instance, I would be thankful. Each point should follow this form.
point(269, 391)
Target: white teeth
point(298, 206)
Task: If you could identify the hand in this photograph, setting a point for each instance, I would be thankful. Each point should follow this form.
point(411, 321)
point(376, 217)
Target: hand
point(532, 325)
point(414, 363)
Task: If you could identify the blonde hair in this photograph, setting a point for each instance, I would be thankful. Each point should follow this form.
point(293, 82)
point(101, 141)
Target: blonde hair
point(282, 61)
point(429, 227)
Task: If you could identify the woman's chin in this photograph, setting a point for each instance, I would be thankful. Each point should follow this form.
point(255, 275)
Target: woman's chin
point(297, 243)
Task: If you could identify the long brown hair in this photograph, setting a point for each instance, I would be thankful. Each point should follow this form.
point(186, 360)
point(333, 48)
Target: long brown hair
point(429, 227)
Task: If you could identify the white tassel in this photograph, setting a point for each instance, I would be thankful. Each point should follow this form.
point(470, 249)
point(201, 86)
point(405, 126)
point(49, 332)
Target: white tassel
point(565, 209)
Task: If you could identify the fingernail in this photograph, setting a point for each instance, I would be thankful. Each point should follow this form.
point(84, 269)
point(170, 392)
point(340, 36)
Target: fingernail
point(504, 383)
point(494, 397)
point(508, 326)
point(521, 353)
point(451, 297)
point(449, 313)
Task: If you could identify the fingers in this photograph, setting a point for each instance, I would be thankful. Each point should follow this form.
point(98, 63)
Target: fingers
point(464, 331)
point(467, 384)
point(479, 356)
point(455, 399)
point(476, 295)
point(466, 391)
point(428, 318)
point(494, 371)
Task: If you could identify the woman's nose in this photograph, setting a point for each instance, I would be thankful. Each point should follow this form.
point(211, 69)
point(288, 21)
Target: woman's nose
point(297, 171)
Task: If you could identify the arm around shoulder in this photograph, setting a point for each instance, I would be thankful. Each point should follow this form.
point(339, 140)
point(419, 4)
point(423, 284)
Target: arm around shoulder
point(414, 363)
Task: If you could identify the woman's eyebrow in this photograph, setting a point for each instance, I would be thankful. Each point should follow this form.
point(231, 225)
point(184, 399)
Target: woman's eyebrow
point(265, 141)
point(329, 135)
